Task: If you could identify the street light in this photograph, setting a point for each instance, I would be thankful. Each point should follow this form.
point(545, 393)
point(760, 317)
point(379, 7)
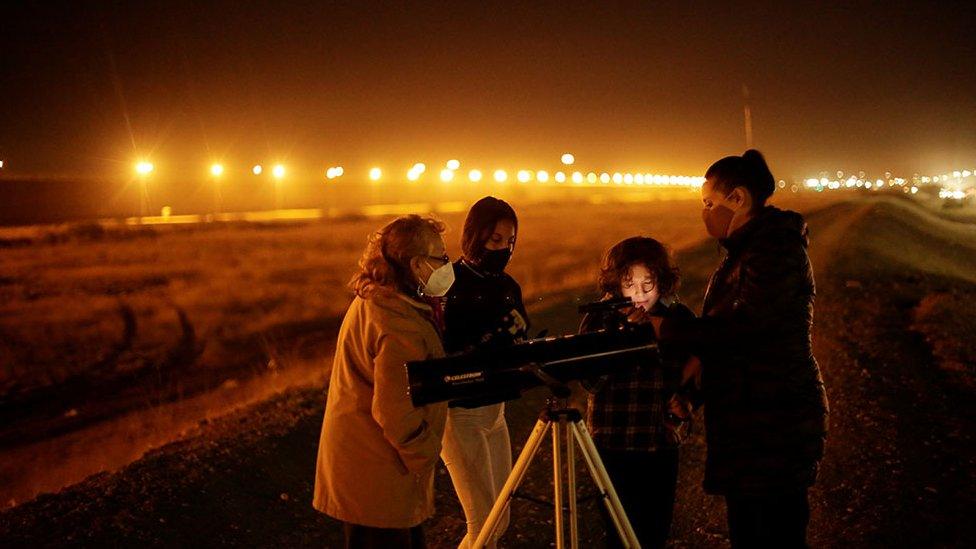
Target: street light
point(144, 168)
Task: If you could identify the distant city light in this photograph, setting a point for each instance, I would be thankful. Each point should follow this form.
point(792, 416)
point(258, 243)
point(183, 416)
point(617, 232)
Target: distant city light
point(568, 159)
point(501, 176)
point(144, 168)
point(453, 164)
point(216, 170)
point(278, 171)
point(524, 176)
point(475, 176)
point(257, 169)
point(447, 175)
point(375, 174)
point(542, 176)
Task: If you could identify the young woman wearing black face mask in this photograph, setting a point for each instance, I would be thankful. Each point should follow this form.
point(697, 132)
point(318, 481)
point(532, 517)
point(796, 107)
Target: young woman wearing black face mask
point(484, 307)
point(765, 405)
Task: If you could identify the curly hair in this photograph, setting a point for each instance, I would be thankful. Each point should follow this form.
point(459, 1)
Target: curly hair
point(386, 261)
point(638, 250)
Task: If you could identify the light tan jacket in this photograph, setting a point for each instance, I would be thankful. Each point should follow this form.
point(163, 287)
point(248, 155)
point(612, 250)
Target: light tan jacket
point(377, 452)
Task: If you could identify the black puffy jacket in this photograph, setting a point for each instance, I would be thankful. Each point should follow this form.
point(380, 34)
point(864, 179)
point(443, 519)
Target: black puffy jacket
point(765, 405)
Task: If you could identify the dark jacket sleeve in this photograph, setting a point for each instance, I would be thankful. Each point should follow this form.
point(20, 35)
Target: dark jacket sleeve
point(771, 273)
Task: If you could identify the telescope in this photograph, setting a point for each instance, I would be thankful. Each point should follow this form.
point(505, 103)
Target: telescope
point(491, 374)
point(486, 375)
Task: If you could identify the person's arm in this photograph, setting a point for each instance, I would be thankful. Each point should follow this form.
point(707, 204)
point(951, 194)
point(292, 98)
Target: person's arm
point(403, 425)
point(769, 273)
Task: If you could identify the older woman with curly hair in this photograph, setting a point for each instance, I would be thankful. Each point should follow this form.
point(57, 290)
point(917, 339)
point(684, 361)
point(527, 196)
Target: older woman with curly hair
point(377, 452)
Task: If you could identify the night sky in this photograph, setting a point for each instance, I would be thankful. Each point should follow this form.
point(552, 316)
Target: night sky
point(87, 88)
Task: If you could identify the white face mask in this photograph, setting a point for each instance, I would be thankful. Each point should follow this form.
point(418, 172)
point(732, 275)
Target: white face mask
point(439, 282)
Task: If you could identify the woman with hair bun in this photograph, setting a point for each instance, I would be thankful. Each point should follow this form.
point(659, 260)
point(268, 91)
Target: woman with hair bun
point(377, 452)
point(765, 405)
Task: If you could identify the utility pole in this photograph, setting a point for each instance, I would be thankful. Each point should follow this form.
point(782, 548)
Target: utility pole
point(748, 116)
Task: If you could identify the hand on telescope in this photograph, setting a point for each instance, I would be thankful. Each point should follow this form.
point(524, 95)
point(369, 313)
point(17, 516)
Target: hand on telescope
point(636, 315)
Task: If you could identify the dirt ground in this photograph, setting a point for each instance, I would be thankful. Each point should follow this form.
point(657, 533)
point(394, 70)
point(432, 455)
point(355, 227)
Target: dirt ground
point(894, 336)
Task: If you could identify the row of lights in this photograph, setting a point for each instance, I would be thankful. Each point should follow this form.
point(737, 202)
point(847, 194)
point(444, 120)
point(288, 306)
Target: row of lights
point(144, 168)
point(954, 179)
point(448, 174)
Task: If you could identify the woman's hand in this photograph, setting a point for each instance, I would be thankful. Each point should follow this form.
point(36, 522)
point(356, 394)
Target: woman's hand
point(636, 315)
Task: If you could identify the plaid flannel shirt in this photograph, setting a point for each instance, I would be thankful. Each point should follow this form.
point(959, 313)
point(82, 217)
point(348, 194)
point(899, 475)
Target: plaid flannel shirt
point(626, 410)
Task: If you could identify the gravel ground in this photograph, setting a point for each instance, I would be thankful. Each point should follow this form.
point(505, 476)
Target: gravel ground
point(899, 469)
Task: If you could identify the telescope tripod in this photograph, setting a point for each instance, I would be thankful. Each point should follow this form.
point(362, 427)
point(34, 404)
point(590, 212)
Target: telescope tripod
point(562, 422)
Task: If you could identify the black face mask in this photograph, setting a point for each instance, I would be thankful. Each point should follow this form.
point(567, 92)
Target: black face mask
point(494, 261)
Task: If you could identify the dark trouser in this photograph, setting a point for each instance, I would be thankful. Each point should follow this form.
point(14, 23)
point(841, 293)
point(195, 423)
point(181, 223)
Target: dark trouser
point(367, 537)
point(768, 521)
point(645, 483)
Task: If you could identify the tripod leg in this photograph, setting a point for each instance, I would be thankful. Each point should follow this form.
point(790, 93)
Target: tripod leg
point(512, 483)
point(557, 479)
point(571, 484)
point(603, 483)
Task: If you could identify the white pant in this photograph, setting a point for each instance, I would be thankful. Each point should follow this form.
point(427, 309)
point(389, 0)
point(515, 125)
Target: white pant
point(478, 455)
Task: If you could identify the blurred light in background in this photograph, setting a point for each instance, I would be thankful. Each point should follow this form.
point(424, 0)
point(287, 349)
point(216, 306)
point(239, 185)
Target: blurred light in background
point(257, 169)
point(453, 164)
point(501, 176)
point(560, 177)
point(216, 170)
point(144, 168)
point(1, 164)
point(604, 178)
point(577, 178)
point(334, 172)
point(278, 171)
point(524, 176)
point(166, 211)
point(474, 176)
point(375, 174)
point(568, 159)
point(542, 176)
point(447, 175)
point(618, 178)
point(591, 177)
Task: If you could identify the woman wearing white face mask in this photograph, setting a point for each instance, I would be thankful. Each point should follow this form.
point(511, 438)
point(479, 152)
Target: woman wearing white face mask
point(483, 308)
point(377, 452)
